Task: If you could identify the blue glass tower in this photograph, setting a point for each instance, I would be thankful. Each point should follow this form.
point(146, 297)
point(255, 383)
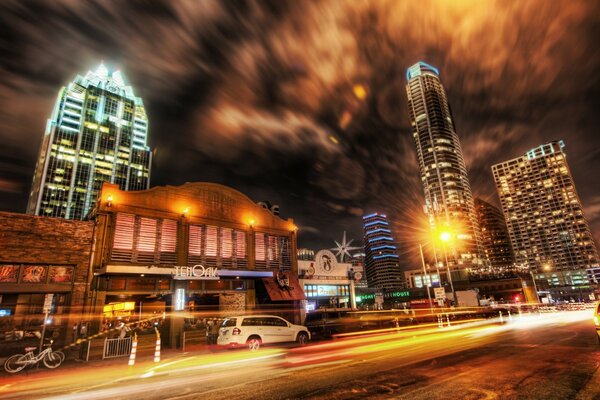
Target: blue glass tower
point(381, 255)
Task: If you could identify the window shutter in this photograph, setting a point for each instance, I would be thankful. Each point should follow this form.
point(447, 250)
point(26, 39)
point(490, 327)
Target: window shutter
point(260, 250)
point(241, 259)
point(195, 245)
point(146, 244)
point(211, 241)
point(123, 239)
point(226, 247)
point(168, 241)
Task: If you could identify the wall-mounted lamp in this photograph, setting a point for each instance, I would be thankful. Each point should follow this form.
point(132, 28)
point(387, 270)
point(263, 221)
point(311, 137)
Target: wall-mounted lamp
point(251, 223)
point(109, 200)
point(186, 211)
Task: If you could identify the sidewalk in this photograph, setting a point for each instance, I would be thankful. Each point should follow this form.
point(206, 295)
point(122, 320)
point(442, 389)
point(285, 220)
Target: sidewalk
point(144, 358)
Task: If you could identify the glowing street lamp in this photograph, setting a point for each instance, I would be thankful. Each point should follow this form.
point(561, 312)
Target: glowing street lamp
point(445, 237)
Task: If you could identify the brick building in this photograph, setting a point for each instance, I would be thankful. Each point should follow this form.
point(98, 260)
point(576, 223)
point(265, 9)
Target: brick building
point(41, 256)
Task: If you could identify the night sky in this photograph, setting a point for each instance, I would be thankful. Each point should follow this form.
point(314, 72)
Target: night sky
point(303, 102)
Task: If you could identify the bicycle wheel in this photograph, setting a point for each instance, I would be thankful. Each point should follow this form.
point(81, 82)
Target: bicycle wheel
point(60, 354)
point(12, 364)
point(53, 360)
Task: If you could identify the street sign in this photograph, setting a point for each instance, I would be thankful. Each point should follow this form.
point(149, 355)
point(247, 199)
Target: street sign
point(48, 302)
point(440, 293)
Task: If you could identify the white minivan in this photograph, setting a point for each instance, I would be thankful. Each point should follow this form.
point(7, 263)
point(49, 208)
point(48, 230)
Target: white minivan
point(255, 330)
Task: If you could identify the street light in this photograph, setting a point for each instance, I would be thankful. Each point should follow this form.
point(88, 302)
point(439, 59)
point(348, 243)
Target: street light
point(425, 278)
point(537, 295)
point(445, 238)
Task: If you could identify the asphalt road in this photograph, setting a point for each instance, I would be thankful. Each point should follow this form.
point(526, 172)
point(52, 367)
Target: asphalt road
point(552, 356)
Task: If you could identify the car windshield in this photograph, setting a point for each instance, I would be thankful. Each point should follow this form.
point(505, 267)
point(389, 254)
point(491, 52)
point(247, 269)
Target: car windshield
point(228, 322)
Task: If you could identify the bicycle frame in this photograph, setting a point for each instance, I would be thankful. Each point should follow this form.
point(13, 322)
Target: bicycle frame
point(33, 359)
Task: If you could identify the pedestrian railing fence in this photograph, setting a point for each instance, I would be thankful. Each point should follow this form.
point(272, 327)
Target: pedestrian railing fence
point(119, 347)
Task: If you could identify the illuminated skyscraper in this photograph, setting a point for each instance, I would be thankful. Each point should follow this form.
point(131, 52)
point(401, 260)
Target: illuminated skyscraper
point(448, 198)
point(381, 256)
point(494, 235)
point(544, 214)
point(97, 133)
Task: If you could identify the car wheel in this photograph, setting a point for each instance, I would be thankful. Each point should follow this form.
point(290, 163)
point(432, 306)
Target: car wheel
point(302, 338)
point(253, 343)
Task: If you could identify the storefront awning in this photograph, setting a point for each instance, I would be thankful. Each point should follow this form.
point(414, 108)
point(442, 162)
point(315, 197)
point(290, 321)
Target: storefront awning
point(284, 293)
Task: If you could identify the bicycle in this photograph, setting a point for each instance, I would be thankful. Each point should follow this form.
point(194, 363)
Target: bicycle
point(51, 359)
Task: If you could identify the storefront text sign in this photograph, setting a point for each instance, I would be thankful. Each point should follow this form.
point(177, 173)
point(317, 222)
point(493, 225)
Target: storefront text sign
point(196, 272)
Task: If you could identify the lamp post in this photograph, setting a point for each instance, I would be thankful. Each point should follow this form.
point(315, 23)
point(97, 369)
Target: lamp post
point(537, 295)
point(445, 237)
point(425, 278)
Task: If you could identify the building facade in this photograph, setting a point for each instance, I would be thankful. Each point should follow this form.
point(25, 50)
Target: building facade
point(97, 133)
point(448, 198)
point(494, 236)
point(544, 215)
point(381, 257)
point(327, 283)
point(199, 248)
point(43, 260)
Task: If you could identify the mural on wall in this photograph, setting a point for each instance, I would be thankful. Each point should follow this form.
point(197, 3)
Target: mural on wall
point(34, 274)
point(61, 274)
point(9, 273)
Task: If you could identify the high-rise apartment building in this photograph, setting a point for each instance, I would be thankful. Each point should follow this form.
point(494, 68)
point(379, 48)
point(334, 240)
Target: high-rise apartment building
point(448, 198)
point(97, 133)
point(381, 256)
point(494, 235)
point(544, 215)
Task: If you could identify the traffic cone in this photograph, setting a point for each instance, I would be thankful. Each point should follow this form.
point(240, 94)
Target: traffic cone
point(133, 351)
point(157, 349)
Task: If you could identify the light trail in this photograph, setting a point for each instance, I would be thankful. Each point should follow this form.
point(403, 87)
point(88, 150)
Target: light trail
point(410, 343)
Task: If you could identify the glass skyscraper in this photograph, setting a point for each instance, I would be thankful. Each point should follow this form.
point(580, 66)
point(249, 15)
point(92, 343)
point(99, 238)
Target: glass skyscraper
point(97, 133)
point(448, 198)
point(494, 236)
point(544, 216)
point(381, 255)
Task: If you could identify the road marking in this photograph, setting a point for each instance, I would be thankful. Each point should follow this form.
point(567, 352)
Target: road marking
point(325, 364)
point(5, 386)
point(489, 395)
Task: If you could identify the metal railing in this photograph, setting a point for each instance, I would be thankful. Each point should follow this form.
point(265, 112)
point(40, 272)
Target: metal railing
point(119, 347)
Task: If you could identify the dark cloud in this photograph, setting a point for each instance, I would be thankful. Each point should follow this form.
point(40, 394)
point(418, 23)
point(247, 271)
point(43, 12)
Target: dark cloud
point(303, 103)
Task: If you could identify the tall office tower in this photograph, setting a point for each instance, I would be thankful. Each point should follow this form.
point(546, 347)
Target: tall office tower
point(448, 198)
point(494, 235)
point(381, 256)
point(544, 214)
point(97, 133)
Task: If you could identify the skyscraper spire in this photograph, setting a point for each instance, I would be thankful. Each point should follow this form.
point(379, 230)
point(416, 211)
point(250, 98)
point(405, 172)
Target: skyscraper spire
point(96, 133)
